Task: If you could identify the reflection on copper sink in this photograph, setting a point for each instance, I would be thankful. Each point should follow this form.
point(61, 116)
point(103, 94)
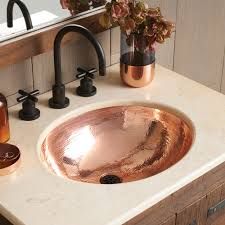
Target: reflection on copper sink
point(116, 144)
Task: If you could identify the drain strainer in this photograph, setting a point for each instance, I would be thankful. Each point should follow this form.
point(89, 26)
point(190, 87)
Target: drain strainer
point(110, 179)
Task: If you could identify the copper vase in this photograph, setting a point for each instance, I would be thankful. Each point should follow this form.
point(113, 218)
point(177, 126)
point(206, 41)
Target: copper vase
point(137, 76)
point(137, 64)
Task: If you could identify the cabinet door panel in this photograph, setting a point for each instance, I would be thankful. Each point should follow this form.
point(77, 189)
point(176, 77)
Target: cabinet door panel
point(193, 214)
point(170, 221)
point(216, 205)
point(219, 221)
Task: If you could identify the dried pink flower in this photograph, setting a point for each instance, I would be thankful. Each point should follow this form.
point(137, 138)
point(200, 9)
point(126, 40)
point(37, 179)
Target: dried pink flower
point(64, 4)
point(118, 11)
point(145, 26)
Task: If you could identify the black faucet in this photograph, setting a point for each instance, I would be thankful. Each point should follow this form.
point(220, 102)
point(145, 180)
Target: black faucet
point(59, 101)
point(24, 11)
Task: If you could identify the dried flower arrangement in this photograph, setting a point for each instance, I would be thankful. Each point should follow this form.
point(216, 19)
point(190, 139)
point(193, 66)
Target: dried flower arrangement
point(135, 18)
point(78, 6)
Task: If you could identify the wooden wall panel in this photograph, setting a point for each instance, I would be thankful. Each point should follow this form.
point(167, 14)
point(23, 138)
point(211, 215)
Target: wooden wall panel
point(223, 78)
point(79, 53)
point(165, 52)
point(115, 45)
point(200, 41)
point(15, 77)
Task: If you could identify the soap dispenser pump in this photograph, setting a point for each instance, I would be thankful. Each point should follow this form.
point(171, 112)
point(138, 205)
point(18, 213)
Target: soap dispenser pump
point(4, 120)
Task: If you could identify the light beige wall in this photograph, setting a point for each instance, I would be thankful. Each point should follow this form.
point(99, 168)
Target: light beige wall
point(15, 77)
point(223, 79)
point(200, 41)
point(165, 52)
point(80, 53)
point(38, 72)
point(115, 45)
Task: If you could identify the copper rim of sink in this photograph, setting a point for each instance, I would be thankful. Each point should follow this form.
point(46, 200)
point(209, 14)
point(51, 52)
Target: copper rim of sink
point(128, 143)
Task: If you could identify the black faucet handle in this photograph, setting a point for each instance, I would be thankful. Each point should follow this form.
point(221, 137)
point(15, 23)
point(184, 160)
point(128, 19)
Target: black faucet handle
point(25, 95)
point(86, 88)
point(85, 73)
point(29, 111)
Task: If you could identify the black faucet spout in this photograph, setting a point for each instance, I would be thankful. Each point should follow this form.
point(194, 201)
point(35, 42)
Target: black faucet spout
point(24, 11)
point(59, 100)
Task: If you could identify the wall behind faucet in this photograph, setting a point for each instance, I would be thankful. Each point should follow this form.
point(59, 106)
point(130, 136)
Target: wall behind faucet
point(223, 79)
point(15, 77)
point(38, 72)
point(77, 54)
point(200, 41)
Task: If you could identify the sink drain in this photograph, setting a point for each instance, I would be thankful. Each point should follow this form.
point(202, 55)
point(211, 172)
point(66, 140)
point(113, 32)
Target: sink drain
point(110, 179)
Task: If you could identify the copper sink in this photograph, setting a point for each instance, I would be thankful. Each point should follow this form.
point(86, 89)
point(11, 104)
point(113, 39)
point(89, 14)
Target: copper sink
point(117, 144)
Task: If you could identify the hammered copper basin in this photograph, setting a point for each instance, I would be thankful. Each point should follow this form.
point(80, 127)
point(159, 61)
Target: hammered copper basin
point(117, 144)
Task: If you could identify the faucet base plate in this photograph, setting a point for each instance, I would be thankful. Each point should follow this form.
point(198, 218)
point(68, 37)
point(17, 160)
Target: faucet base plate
point(54, 105)
point(29, 117)
point(82, 93)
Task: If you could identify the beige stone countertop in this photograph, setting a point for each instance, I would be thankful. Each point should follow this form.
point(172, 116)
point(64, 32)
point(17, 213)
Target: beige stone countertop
point(34, 196)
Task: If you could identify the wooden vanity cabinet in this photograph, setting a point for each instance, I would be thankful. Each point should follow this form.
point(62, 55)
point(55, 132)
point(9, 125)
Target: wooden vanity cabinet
point(208, 210)
point(4, 221)
point(193, 214)
point(170, 221)
point(202, 202)
point(216, 206)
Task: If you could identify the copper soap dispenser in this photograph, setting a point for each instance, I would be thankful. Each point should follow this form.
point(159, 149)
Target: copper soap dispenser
point(4, 120)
